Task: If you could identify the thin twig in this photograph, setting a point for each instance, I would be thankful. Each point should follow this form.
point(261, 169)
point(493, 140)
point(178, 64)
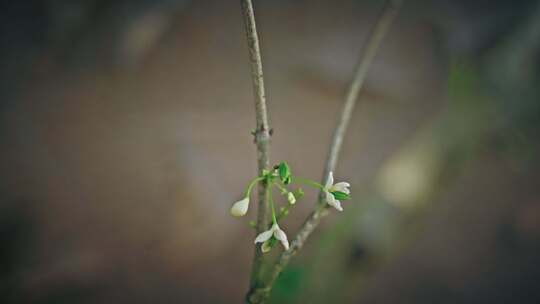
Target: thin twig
point(377, 34)
point(262, 132)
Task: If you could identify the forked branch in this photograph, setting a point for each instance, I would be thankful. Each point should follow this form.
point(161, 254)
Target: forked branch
point(262, 291)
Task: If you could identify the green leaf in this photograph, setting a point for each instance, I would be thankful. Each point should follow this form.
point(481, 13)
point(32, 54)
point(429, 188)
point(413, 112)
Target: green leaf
point(284, 173)
point(341, 195)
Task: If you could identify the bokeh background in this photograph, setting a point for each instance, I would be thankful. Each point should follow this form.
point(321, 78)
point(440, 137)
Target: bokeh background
point(125, 138)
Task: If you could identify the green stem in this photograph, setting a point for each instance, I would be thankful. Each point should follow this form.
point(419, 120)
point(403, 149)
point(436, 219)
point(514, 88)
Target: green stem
point(271, 200)
point(307, 182)
point(253, 182)
point(282, 188)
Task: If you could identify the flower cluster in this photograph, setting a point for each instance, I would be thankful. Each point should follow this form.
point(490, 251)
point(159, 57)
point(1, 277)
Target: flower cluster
point(281, 178)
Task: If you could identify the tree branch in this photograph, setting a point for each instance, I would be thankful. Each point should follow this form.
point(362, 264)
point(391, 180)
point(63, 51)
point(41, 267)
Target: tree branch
point(262, 132)
point(388, 15)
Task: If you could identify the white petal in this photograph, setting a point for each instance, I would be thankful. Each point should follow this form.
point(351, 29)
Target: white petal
point(264, 236)
point(240, 208)
point(342, 186)
point(337, 205)
point(329, 180)
point(330, 199)
point(282, 237)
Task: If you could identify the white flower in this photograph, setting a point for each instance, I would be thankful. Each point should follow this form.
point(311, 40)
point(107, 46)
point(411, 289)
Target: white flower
point(277, 233)
point(240, 208)
point(330, 187)
point(291, 198)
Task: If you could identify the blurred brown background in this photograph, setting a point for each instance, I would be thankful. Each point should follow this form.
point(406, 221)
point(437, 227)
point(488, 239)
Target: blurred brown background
point(125, 135)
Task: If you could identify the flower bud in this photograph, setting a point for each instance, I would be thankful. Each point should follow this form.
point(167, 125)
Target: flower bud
point(266, 246)
point(291, 198)
point(240, 208)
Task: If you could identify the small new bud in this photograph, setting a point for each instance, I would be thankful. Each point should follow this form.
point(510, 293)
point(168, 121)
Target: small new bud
point(291, 198)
